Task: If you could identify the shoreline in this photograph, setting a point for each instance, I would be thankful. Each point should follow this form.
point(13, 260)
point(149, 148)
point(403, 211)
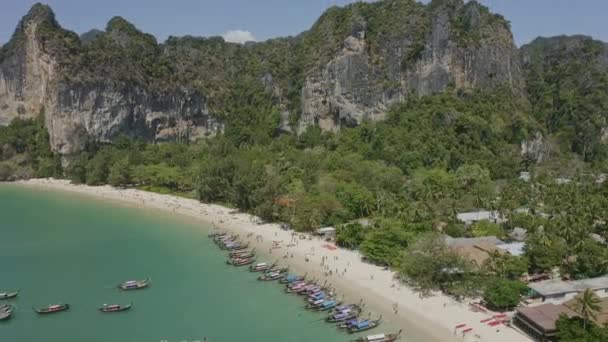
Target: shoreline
point(422, 319)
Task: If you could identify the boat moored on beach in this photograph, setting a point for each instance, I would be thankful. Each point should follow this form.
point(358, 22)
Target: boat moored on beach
point(380, 338)
point(363, 325)
point(262, 267)
point(292, 278)
point(272, 275)
point(115, 307)
point(343, 313)
point(241, 261)
point(242, 253)
point(54, 308)
point(9, 295)
point(236, 246)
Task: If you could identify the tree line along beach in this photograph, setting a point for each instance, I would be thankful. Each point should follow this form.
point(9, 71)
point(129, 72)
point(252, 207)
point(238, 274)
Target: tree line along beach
point(432, 318)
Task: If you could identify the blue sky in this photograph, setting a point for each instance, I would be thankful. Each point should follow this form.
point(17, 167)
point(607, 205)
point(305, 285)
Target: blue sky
point(265, 19)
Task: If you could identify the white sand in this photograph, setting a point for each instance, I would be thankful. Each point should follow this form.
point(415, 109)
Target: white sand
point(423, 319)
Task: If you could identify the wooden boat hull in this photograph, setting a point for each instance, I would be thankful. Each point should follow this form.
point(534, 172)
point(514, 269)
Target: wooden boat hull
point(9, 295)
point(372, 325)
point(387, 338)
point(140, 284)
point(46, 311)
point(6, 313)
point(110, 309)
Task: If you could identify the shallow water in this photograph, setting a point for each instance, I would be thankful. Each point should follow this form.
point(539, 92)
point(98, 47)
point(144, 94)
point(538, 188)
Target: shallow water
point(60, 247)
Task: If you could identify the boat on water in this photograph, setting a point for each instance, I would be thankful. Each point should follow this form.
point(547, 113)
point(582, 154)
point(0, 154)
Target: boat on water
point(380, 338)
point(134, 284)
point(262, 267)
point(363, 326)
point(6, 311)
point(9, 295)
point(54, 308)
point(115, 307)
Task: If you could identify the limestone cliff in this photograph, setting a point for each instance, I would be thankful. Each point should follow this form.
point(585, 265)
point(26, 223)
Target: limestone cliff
point(351, 66)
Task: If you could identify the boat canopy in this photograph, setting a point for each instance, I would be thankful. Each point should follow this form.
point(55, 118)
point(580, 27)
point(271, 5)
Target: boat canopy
point(329, 303)
point(362, 325)
point(379, 337)
point(292, 277)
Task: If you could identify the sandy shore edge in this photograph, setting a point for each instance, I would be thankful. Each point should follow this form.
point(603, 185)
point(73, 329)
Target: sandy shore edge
point(422, 319)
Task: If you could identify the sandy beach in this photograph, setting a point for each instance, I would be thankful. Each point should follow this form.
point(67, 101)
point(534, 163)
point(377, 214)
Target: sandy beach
point(431, 318)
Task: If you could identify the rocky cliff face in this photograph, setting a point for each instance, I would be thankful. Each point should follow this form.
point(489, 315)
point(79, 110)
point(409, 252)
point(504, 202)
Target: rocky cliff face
point(27, 74)
point(352, 65)
point(33, 81)
point(454, 44)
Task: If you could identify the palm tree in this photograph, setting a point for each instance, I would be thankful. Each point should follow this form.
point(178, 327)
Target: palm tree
point(588, 305)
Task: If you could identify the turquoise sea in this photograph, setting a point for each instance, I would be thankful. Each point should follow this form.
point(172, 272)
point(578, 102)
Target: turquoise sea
point(59, 247)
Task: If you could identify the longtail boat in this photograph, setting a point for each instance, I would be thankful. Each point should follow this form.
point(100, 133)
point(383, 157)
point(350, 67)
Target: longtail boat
point(216, 235)
point(291, 278)
point(364, 325)
point(241, 262)
point(134, 284)
point(380, 338)
point(315, 296)
point(225, 237)
point(52, 308)
point(242, 253)
point(262, 267)
point(328, 305)
point(114, 307)
point(297, 287)
point(347, 324)
point(9, 295)
point(236, 246)
point(344, 315)
point(6, 312)
point(346, 307)
point(272, 275)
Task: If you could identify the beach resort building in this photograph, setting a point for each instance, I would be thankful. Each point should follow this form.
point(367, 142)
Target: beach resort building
point(539, 322)
point(477, 250)
point(515, 248)
point(481, 215)
point(558, 291)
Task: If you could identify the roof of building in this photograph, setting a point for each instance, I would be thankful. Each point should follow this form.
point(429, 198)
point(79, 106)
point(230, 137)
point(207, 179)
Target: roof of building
point(601, 316)
point(515, 248)
point(558, 286)
point(479, 216)
point(458, 242)
point(478, 253)
point(544, 316)
point(326, 230)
